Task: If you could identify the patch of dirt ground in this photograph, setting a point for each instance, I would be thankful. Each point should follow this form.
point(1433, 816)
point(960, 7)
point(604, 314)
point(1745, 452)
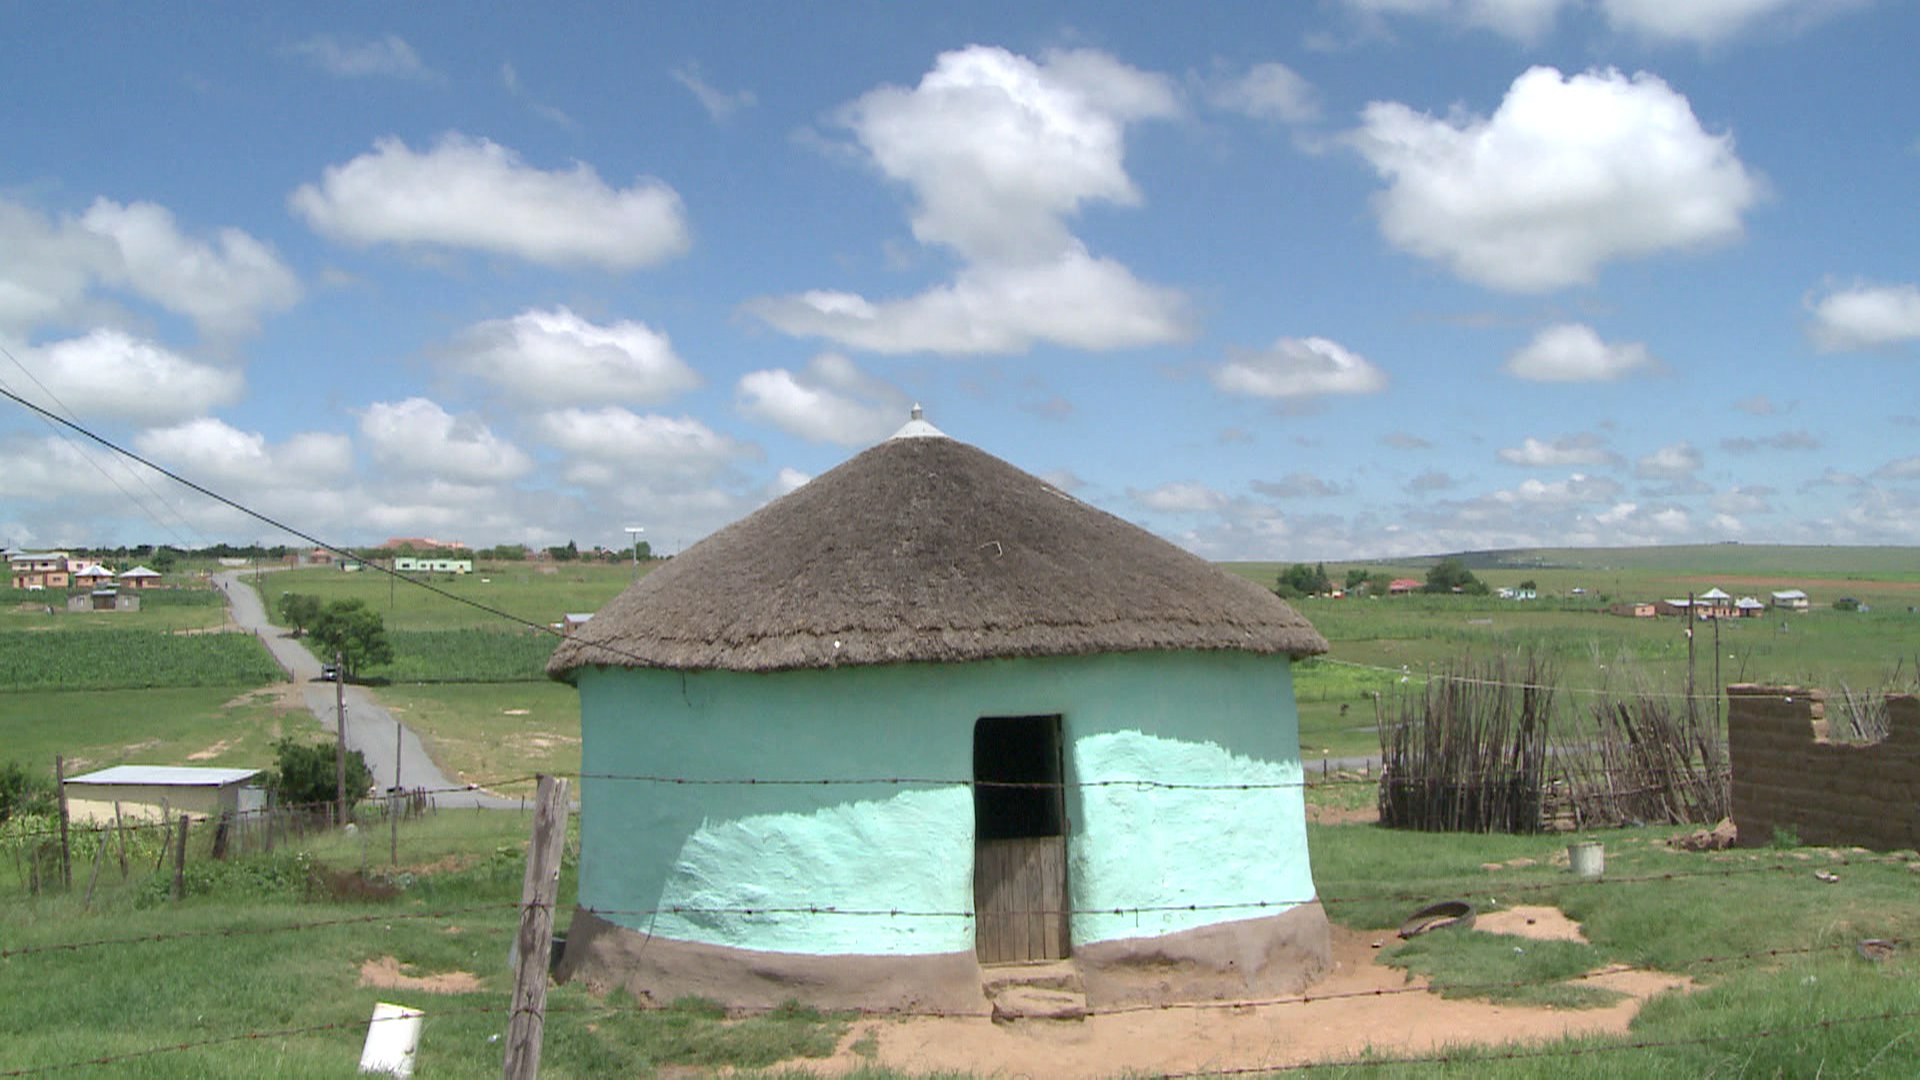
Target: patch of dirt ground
point(388, 973)
point(1324, 1026)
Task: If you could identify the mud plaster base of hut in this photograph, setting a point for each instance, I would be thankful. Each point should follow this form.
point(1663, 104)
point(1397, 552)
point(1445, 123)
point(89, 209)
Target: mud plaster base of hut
point(1278, 954)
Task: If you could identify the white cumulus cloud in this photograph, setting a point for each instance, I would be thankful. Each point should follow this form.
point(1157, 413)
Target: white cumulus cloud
point(1670, 462)
point(1182, 497)
point(111, 373)
point(1573, 352)
point(1866, 317)
point(1521, 20)
point(831, 401)
point(609, 445)
point(476, 194)
point(1706, 22)
point(998, 151)
point(211, 451)
point(388, 55)
point(1268, 91)
point(1299, 367)
point(1077, 301)
point(417, 437)
point(1582, 449)
point(224, 286)
point(1570, 173)
point(554, 357)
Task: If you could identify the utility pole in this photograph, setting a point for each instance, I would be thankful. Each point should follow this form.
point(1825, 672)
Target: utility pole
point(340, 741)
point(633, 535)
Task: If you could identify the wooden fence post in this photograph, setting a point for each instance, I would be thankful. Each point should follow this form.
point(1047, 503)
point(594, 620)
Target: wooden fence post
point(66, 851)
point(99, 853)
point(527, 1019)
point(340, 740)
point(120, 830)
point(180, 862)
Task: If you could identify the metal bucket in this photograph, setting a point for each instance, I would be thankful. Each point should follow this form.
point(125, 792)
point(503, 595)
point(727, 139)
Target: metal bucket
point(1588, 859)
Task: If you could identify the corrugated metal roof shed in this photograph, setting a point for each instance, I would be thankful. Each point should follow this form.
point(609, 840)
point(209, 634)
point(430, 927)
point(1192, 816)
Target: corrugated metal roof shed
point(171, 775)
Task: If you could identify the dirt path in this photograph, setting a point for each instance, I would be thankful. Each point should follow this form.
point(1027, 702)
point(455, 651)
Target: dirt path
point(1181, 1040)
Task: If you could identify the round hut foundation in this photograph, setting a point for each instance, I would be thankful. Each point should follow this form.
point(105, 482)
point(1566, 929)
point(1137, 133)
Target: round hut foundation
point(1248, 958)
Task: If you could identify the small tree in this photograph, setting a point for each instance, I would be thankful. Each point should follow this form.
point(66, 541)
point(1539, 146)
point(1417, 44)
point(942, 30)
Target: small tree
point(299, 611)
point(304, 774)
point(1356, 578)
point(354, 631)
point(24, 792)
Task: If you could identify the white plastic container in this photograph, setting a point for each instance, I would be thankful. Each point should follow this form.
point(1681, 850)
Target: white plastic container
point(1588, 859)
point(392, 1038)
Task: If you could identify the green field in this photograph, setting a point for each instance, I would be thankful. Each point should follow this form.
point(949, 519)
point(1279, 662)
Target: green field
point(497, 596)
point(259, 970)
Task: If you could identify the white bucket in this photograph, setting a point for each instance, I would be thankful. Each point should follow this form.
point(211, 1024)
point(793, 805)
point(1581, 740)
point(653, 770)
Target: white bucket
point(392, 1038)
point(1588, 858)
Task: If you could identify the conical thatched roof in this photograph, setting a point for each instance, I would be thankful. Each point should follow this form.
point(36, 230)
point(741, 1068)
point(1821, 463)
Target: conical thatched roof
point(927, 549)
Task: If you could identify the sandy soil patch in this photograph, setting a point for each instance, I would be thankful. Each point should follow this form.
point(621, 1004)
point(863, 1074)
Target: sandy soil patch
point(1342, 1016)
point(1540, 923)
point(211, 752)
point(388, 973)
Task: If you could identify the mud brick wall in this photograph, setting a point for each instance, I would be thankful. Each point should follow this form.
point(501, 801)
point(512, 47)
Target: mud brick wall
point(1787, 775)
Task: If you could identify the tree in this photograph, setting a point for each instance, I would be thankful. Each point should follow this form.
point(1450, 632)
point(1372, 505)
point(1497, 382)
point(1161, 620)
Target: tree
point(1300, 579)
point(564, 554)
point(1379, 583)
point(304, 774)
point(354, 631)
point(1452, 575)
point(1356, 578)
point(1529, 585)
point(23, 792)
point(299, 611)
point(642, 550)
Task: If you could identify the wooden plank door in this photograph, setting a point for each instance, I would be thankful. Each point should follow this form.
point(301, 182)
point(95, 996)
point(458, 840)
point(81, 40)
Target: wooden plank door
point(1020, 899)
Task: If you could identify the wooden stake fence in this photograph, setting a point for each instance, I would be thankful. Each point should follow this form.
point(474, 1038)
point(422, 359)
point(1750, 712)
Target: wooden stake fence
point(527, 1022)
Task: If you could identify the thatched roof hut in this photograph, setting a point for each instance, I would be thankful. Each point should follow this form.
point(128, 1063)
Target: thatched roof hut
point(927, 550)
point(943, 664)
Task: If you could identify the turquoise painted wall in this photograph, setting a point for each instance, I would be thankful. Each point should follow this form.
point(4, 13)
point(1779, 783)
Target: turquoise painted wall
point(1185, 718)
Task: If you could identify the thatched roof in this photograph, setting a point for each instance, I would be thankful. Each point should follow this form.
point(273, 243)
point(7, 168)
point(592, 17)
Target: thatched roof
point(927, 549)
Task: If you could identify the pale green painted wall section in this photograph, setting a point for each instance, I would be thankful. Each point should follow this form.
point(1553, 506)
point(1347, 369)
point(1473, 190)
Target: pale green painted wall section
point(1184, 718)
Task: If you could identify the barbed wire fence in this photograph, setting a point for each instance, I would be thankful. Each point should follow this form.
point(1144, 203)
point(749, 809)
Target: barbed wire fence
point(1409, 892)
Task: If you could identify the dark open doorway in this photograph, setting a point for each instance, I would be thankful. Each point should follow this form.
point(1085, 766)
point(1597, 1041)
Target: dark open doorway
point(1020, 847)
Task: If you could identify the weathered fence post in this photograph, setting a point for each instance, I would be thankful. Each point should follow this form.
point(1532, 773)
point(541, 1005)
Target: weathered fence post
point(120, 830)
point(393, 800)
point(180, 862)
point(99, 853)
point(66, 851)
point(527, 1018)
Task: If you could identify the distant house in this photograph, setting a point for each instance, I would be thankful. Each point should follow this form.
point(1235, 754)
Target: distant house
point(1749, 608)
point(1510, 592)
point(574, 620)
point(1636, 609)
point(107, 599)
point(40, 570)
point(1790, 600)
point(1400, 586)
point(154, 791)
point(91, 576)
point(138, 578)
point(409, 565)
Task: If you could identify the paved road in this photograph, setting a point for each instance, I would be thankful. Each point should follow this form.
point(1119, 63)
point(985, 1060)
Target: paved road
point(370, 728)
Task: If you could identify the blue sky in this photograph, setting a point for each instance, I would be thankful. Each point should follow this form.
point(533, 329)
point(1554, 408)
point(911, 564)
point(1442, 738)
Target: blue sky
point(1346, 279)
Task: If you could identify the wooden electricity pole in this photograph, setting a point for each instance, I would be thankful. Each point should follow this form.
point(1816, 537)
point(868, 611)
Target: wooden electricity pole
point(340, 741)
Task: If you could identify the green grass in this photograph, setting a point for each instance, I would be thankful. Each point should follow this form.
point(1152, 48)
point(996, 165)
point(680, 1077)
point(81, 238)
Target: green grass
point(481, 733)
point(185, 608)
point(538, 593)
point(215, 726)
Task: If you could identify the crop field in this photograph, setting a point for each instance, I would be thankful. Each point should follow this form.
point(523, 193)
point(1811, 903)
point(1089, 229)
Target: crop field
point(465, 656)
point(214, 726)
point(131, 659)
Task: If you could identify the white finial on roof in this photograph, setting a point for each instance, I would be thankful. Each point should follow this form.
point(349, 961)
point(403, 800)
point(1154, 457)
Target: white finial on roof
point(918, 428)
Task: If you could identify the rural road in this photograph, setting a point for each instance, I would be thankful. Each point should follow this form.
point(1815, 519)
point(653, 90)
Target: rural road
point(370, 728)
